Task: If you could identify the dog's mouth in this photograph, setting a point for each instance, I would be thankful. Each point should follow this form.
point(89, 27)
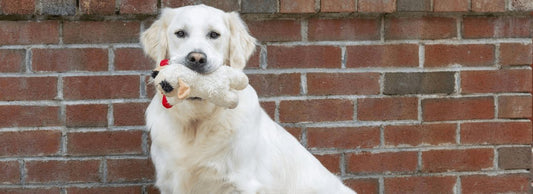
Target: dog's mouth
point(194, 98)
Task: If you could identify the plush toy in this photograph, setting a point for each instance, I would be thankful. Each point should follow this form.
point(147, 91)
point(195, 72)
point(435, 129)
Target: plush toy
point(177, 82)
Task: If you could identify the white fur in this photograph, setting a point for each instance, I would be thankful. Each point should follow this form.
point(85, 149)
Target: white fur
point(198, 147)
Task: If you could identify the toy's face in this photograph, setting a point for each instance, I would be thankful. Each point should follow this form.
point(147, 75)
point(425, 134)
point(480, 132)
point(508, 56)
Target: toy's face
point(199, 38)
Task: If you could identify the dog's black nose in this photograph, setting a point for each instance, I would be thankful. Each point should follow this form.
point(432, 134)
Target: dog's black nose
point(196, 61)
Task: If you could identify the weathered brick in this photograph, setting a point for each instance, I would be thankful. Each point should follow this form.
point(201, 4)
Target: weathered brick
point(344, 138)
point(12, 60)
point(338, 6)
point(132, 59)
point(508, 183)
point(304, 57)
point(496, 27)
point(97, 7)
point(254, 62)
point(101, 32)
point(127, 114)
point(363, 185)
point(30, 143)
point(385, 162)
point(129, 170)
point(509, 80)
point(57, 7)
point(343, 29)
point(315, 110)
point(275, 30)
point(297, 6)
point(9, 172)
point(28, 88)
point(400, 55)
point(29, 116)
point(423, 134)
point(419, 83)
point(488, 5)
point(414, 5)
point(105, 190)
point(441, 55)
point(426, 184)
point(276, 84)
point(259, 6)
point(104, 143)
point(457, 108)
point(514, 158)
point(86, 115)
point(101, 87)
point(65, 171)
point(63, 60)
point(342, 83)
point(17, 7)
point(384, 109)
point(29, 32)
point(521, 5)
point(427, 27)
point(451, 5)
point(496, 133)
point(151, 189)
point(463, 160)
point(380, 6)
point(138, 6)
point(53, 190)
point(516, 54)
point(514, 107)
point(330, 161)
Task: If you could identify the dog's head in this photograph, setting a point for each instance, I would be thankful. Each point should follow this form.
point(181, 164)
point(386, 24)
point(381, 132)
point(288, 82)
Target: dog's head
point(203, 37)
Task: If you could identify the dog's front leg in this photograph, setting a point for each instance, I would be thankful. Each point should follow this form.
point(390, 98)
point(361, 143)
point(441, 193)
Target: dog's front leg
point(247, 185)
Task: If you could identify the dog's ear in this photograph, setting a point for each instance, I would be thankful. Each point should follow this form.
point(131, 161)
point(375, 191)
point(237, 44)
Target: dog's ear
point(154, 39)
point(241, 44)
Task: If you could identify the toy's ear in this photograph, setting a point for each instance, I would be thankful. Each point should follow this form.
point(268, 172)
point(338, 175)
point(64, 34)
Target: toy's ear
point(241, 44)
point(154, 40)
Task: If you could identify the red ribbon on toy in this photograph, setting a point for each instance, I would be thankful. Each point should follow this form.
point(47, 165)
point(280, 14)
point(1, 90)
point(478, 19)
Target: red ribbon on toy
point(165, 101)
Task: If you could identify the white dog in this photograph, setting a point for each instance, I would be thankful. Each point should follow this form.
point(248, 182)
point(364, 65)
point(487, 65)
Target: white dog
point(198, 147)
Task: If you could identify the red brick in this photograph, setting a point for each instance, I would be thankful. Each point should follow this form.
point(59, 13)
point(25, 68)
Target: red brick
point(276, 30)
point(451, 5)
point(101, 87)
point(496, 27)
point(64, 171)
point(254, 62)
point(105, 190)
point(458, 109)
point(101, 32)
point(424, 134)
point(104, 143)
point(370, 186)
point(331, 162)
point(276, 84)
point(29, 143)
point(297, 6)
point(514, 107)
point(488, 5)
point(138, 6)
point(425, 184)
point(29, 116)
point(28, 88)
point(29, 32)
point(380, 6)
point(315, 110)
point(509, 183)
point(366, 162)
point(343, 29)
point(344, 138)
point(304, 57)
point(151, 189)
point(382, 109)
point(17, 7)
point(515, 54)
point(228, 5)
point(270, 108)
point(441, 55)
point(63, 60)
point(125, 114)
point(30, 190)
point(295, 132)
point(12, 61)
point(457, 160)
point(496, 133)
point(342, 83)
point(517, 80)
point(97, 7)
point(400, 55)
point(86, 115)
point(9, 172)
point(420, 28)
point(337, 6)
point(149, 88)
point(414, 5)
point(128, 170)
point(132, 59)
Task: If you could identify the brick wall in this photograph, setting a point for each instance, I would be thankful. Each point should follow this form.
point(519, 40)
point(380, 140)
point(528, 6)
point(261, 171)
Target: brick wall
point(394, 96)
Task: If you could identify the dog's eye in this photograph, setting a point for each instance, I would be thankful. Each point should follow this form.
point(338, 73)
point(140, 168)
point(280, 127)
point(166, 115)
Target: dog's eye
point(180, 34)
point(213, 35)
